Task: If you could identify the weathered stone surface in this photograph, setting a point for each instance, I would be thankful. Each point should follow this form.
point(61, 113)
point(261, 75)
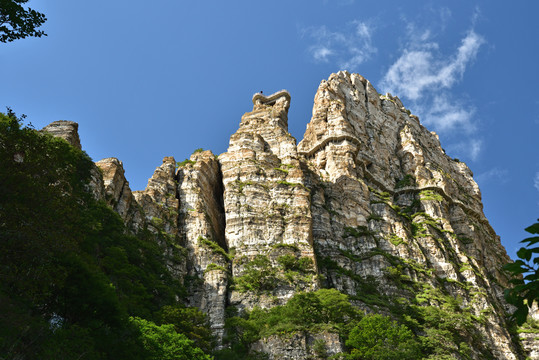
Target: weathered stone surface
point(385, 193)
point(118, 194)
point(529, 337)
point(369, 190)
point(159, 200)
point(201, 217)
point(266, 202)
point(300, 346)
point(67, 130)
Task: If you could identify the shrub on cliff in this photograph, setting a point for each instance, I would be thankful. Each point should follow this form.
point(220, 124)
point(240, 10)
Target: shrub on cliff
point(162, 342)
point(377, 337)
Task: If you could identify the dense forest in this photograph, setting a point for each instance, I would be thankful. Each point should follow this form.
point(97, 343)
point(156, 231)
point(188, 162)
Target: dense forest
point(74, 284)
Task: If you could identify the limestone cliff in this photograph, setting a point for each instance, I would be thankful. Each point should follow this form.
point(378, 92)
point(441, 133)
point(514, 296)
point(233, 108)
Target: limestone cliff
point(367, 203)
point(267, 205)
point(392, 208)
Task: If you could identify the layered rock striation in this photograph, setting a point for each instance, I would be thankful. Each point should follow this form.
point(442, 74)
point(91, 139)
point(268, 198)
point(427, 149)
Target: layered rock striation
point(201, 220)
point(393, 212)
point(267, 208)
point(367, 203)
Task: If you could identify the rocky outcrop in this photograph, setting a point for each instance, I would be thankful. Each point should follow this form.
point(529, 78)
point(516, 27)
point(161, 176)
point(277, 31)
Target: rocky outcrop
point(159, 200)
point(201, 218)
point(118, 194)
point(367, 203)
point(300, 346)
point(67, 130)
point(389, 204)
point(267, 207)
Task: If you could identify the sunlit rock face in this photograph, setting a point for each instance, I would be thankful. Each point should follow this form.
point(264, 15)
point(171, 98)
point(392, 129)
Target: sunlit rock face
point(388, 205)
point(367, 203)
point(267, 204)
point(67, 130)
point(159, 200)
point(201, 220)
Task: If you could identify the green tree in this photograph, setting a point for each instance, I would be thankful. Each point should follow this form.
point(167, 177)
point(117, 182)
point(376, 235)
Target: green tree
point(189, 321)
point(17, 22)
point(525, 276)
point(164, 343)
point(70, 276)
point(377, 337)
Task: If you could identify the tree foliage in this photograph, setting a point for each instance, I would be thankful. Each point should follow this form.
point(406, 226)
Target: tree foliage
point(70, 275)
point(17, 22)
point(190, 321)
point(322, 310)
point(525, 276)
point(377, 337)
point(162, 342)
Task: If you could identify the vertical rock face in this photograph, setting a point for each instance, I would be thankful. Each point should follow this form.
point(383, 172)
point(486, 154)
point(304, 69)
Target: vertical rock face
point(67, 130)
point(118, 193)
point(387, 201)
point(300, 346)
point(367, 203)
point(159, 200)
point(267, 207)
point(202, 230)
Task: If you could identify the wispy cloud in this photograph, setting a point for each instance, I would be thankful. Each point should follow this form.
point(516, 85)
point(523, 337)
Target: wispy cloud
point(425, 75)
point(536, 181)
point(348, 48)
point(446, 114)
point(470, 149)
point(422, 68)
point(495, 174)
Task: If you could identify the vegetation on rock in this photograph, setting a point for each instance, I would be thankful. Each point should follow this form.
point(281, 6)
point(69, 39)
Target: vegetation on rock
point(525, 273)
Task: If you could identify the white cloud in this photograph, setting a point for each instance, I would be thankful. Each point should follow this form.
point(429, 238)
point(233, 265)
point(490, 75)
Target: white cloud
point(349, 48)
point(322, 54)
point(425, 75)
point(470, 149)
point(536, 181)
point(493, 174)
point(421, 68)
point(444, 114)
point(475, 148)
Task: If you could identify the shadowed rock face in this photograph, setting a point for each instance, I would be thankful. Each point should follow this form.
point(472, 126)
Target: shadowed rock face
point(118, 193)
point(368, 198)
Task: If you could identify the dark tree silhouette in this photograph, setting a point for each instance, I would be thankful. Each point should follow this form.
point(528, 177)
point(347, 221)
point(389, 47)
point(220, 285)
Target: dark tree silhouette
point(17, 22)
point(525, 276)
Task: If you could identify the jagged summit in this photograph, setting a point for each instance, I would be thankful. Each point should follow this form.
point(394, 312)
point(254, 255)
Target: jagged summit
point(67, 130)
point(260, 98)
point(367, 203)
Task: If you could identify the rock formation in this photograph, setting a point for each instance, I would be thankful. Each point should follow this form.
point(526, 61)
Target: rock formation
point(387, 201)
point(367, 203)
point(266, 204)
point(67, 130)
point(202, 230)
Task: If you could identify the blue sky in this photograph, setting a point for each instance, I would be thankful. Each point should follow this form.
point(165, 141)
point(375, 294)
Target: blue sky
point(146, 80)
